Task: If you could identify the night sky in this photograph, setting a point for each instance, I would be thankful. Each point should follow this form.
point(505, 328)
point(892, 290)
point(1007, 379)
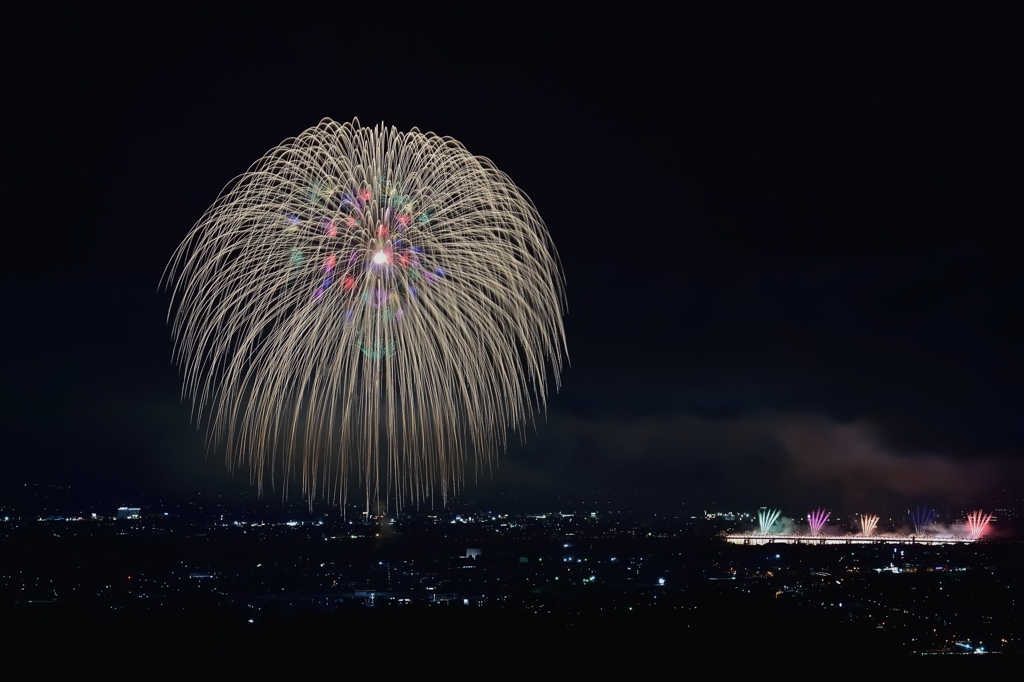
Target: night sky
point(790, 238)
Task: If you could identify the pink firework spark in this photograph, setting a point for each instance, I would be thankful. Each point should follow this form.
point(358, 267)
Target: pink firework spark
point(977, 523)
point(817, 520)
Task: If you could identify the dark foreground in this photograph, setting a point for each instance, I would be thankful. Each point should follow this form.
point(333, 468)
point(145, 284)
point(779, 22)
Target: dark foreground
point(160, 598)
point(453, 641)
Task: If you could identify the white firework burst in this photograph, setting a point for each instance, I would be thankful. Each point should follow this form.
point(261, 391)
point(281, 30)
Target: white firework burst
point(368, 305)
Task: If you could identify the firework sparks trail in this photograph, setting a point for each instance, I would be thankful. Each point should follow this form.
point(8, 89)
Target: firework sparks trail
point(923, 518)
point(977, 524)
point(368, 302)
point(766, 518)
point(817, 520)
point(867, 524)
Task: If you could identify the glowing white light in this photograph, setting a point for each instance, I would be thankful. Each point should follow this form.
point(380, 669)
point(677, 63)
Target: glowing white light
point(380, 258)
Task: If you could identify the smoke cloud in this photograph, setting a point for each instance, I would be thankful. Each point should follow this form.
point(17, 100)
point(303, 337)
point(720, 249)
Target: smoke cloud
point(770, 458)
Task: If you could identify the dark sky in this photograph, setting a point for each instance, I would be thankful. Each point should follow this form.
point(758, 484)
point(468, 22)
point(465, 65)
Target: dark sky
point(790, 237)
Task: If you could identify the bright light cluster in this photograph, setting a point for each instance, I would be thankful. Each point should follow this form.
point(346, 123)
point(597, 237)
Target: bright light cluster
point(923, 518)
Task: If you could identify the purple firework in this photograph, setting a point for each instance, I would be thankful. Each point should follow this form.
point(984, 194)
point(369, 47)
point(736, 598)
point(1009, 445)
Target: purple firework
point(923, 518)
point(817, 520)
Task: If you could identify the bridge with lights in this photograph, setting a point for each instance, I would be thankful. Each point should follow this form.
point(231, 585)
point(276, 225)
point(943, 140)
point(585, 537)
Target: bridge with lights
point(773, 539)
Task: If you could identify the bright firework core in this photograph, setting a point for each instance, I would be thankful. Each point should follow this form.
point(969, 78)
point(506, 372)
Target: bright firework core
point(380, 258)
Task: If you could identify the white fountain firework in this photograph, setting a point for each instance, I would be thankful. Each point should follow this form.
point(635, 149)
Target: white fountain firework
point(368, 302)
point(766, 518)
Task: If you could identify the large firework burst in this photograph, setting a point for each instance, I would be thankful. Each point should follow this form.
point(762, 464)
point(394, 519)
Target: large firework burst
point(369, 303)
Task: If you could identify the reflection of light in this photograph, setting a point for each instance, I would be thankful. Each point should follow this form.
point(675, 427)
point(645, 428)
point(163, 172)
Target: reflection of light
point(380, 258)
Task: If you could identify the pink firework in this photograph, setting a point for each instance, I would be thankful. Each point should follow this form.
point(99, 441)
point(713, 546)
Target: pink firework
point(977, 524)
point(817, 520)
